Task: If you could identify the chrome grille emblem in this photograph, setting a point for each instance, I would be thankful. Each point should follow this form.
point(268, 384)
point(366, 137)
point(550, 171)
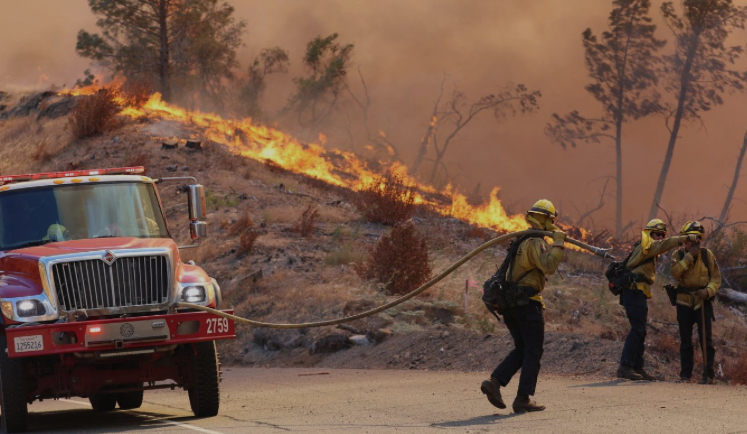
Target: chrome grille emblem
point(109, 258)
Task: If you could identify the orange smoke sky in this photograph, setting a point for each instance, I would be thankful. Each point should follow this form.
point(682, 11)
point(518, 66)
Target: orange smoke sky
point(405, 48)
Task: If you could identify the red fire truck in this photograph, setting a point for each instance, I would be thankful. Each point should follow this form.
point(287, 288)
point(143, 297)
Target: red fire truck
point(89, 281)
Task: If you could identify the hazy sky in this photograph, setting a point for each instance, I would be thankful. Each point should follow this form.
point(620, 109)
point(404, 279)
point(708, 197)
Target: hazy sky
point(404, 48)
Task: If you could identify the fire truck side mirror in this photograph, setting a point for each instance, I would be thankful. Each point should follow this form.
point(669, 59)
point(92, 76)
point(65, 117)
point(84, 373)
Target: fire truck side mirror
point(197, 230)
point(196, 203)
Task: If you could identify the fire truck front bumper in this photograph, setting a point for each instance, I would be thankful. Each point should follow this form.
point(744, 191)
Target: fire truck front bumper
point(119, 335)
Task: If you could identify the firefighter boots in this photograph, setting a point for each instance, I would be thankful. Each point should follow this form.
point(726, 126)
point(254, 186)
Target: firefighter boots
point(523, 404)
point(628, 373)
point(492, 389)
point(645, 375)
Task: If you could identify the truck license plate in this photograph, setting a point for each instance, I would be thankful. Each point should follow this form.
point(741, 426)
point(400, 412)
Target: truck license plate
point(29, 343)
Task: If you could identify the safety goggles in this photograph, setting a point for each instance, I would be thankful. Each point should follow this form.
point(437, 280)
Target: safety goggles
point(657, 235)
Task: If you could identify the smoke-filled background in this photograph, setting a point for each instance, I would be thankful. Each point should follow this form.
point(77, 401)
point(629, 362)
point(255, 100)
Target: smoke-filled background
point(405, 49)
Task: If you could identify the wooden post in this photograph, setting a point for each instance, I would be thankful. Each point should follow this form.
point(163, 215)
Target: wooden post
point(466, 297)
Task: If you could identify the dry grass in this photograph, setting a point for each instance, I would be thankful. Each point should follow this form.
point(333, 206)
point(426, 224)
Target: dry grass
point(26, 142)
point(136, 92)
point(280, 214)
point(241, 225)
point(666, 344)
point(305, 226)
point(735, 372)
point(399, 260)
point(335, 215)
point(244, 228)
point(348, 253)
point(41, 153)
point(208, 251)
point(387, 200)
point(584, 263)
point(478, 232)
point(15, 128)
point(94, 114)
point(246, 241)
point(137, 158)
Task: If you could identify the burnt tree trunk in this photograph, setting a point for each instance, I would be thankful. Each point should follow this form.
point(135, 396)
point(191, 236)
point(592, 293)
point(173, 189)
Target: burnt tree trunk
point(164, 70)
point(681, 101)
point(730, 195)
point(423, 147)
point(619, 165)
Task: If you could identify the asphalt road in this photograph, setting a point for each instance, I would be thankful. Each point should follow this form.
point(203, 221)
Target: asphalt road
point(354, 401)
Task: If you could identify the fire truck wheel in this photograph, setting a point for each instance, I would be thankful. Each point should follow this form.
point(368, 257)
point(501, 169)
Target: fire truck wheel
point(204, 393)
point(130, 400)
point(103, 401)
point(12, 391)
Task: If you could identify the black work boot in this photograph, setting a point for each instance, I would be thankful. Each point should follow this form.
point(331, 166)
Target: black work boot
point(628, 373)
point(645, 375)
point(492, 389)
point(707, 380)
point(523, 404)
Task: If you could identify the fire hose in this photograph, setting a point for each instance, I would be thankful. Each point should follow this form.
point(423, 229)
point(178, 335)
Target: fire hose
point(604, 253)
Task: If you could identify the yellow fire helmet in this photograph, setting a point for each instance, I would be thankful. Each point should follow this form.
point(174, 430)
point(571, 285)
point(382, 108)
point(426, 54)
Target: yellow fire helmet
point(544, 206)
point(56, 232)
point(656, 225)
point(692, 228)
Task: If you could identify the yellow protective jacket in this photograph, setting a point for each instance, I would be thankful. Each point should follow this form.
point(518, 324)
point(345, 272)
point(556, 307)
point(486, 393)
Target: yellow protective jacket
point(694, 274)
point(646, 273)
point(542, 259)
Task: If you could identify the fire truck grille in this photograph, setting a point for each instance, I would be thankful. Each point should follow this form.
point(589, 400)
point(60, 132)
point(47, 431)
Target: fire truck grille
point(128, 281)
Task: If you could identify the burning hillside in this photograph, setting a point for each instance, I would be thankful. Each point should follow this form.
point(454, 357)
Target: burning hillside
point(339, 168)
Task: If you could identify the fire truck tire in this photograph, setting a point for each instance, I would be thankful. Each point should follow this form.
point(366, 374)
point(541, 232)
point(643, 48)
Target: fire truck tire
point(204, 392)
point(13, 391)
point(130, 400)
point(103, 401)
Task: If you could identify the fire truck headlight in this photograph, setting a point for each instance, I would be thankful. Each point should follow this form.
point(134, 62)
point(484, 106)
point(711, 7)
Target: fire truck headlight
point(26, 308)
point(193, 294)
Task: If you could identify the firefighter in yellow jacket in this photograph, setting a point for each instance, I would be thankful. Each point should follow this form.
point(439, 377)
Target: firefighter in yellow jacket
point(642, 264)
point(534, 260)
point(698, 279)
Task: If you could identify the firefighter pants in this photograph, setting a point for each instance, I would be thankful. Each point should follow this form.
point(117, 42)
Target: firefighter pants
point(687, 318)
point(636, 308)
point(527, 327)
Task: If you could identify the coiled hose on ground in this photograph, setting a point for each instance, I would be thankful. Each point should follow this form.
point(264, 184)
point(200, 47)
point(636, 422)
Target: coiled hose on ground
point(595, 250)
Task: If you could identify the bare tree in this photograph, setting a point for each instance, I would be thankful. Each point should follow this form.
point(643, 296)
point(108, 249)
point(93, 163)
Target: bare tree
point(587, 214)
point(622, 64)
point(456, 114)
point(427, 140)
point(699, 71)
point(732, 189)
point(269, 61)
point(379, 139)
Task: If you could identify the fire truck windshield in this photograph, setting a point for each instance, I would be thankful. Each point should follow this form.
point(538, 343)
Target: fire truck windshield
point(41, 215)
